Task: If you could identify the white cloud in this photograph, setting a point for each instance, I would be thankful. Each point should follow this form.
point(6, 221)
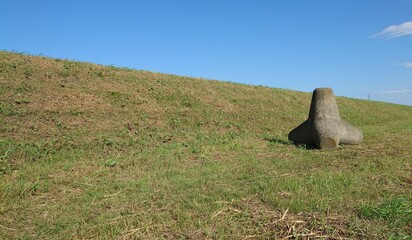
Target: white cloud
point(398, 91)
point(393, 31)
point(399, 96)
point(407, 64)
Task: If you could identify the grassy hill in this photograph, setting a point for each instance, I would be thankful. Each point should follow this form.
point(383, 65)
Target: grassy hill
point(91, 151)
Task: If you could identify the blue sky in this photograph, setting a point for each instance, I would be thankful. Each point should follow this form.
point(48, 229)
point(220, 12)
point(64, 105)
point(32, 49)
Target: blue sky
point(358, 48)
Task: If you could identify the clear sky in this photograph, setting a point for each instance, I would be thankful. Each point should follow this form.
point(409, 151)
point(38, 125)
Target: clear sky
point(357, 47)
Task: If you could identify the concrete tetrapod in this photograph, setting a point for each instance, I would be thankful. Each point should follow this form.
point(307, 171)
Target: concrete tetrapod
point(324, 127)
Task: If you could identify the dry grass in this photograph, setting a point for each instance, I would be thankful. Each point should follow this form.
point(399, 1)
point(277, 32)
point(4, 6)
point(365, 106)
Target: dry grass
point(88, 151)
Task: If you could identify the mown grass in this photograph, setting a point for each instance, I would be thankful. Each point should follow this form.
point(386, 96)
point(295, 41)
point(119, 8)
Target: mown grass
point(88, 151)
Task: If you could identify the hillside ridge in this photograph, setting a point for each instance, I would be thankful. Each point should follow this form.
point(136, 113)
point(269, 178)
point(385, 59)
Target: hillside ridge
point(71, 92)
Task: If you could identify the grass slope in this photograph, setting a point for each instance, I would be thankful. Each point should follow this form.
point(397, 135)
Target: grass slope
point(88, 151)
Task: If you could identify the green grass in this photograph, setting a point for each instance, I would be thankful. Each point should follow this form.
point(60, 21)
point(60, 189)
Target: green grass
point(88, 151)
point(397, 211)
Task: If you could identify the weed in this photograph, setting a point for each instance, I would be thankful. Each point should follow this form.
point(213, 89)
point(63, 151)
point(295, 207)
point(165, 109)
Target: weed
point(6, 150)
point(186, 103)
point(59, 124)
point(67, 69)
point(48, 75)
point(398, 211)
point(110, 162)
point(23, 88)
point(400, 236)
point(7, 109)
point(175, 122)
point(28, 73)
point(99, 74)
point(118, 98)
point(22, 101)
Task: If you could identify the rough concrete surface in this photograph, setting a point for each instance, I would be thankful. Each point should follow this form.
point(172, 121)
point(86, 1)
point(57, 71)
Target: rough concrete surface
point(324, 127)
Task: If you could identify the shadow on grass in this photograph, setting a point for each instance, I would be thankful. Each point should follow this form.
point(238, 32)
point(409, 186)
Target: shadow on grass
point(283, 142)
point(278, 141)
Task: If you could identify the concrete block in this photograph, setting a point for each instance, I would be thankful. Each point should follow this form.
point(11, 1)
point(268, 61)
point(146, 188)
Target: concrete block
point(324, 127)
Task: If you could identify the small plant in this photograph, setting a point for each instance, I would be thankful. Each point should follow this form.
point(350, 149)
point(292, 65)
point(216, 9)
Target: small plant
point(186, 103)
point(48, 75)
point(302, 146)
point(400, 236)
point(108, 142)
point(36, 151)
point(397, 210)
point(175, 122)
point(5, 151)
point(7, 110)
point(65, 72)
point(110, 163)
point(118, 98)
point(59, 124)
point(28, 73)
point(23, 89)
point(22, 101)
point(99, 74)
point(34, 187)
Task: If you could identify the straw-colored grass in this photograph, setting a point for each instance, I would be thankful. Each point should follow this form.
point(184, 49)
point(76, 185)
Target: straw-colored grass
point(88, 151)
